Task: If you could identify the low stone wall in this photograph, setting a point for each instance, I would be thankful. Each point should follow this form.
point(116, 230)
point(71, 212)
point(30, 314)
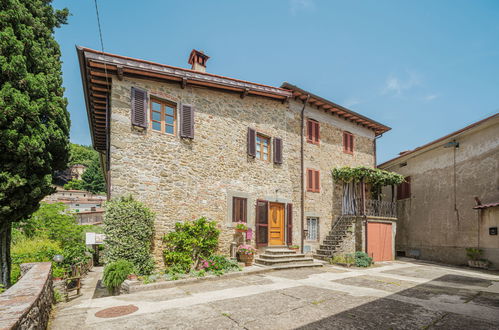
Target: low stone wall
point(27, 304)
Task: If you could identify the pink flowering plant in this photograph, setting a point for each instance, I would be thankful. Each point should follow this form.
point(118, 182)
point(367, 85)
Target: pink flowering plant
point(246, 249)
point(218, 265)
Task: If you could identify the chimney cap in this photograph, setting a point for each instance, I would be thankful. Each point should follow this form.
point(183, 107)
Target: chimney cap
point(198, 56)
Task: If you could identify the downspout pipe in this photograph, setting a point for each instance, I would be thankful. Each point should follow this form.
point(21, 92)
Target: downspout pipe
point(302, 166)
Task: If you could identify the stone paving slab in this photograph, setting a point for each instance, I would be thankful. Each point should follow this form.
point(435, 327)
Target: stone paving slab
point(398, 295)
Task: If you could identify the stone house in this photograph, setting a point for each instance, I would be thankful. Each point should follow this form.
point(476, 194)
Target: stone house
point(451, 198)
point(190, 144)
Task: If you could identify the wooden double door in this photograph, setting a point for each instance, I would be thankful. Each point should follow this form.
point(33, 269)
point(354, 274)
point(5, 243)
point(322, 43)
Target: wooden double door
point(379, 241)
point(271, 223)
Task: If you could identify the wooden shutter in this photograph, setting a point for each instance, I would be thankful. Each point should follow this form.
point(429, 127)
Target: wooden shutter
point(289, 236)
point(251, 142)
point(310, 131)
point(239, 209)
point(404, 189)
point(317, 181)
point(348, 142)
point(139, 107)
point(317, 132)
point(187, 121)
point(351, 142)
point(310, 180)
point(277, 150)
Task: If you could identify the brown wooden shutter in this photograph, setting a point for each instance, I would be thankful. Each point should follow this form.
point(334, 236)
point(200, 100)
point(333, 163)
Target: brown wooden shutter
point(289, 236)
point(310, 131)
point(139, 107)
point(262, 225)
point(187, 121)
point(310, 180)
point(251, 142)
point(278, 150)
point(317, 135)
point(317, 181)
point(351, 142)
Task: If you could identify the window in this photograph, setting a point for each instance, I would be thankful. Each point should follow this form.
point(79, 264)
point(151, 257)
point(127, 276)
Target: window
point(163, 117)
point(262, 147)
point(239, 209)
point(313, 180)
point(348, 142)
point(312, 229)
point(313, 128)
point(404, 189)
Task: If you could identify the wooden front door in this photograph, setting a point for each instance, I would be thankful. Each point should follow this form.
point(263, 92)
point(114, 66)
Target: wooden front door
point(276, 224)
point(379, 241)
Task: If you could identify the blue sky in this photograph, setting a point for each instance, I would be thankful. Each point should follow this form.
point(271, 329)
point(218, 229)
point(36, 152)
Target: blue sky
point(424, 68)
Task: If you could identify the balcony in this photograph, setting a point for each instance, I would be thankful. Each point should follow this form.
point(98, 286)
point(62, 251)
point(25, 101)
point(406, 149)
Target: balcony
point(372, 208)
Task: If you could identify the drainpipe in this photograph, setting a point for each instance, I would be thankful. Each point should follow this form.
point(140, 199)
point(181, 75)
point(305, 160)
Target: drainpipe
point(302, 165)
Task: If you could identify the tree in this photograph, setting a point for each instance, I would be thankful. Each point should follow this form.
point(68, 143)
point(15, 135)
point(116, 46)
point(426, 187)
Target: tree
point(34, 123)
point(84, 155)
point(92, 179)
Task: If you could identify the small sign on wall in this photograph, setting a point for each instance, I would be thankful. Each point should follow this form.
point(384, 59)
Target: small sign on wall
point(492, 230)
point(94, 238)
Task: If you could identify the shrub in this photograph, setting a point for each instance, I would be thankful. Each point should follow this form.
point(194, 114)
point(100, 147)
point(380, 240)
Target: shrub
point(219, 263)
point(474, 254)
point(246, 249)
point(362, 259)
point(37, 249)
point(190, 242)
point(241, 226)
point(116, 272)
point(347, 259)
point(128, 225)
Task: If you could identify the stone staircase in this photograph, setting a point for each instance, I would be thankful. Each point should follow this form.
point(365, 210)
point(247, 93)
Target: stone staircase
point(284, 258)
point(334, 242)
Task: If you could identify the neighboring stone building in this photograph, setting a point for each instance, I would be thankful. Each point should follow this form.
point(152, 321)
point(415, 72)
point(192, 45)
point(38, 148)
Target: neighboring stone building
point(190, 144)
point(438, 215)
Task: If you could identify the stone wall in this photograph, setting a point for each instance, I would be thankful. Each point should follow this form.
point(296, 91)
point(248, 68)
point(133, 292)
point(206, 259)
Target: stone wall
point(181, 179)
point(27, 304)
point(438, 220)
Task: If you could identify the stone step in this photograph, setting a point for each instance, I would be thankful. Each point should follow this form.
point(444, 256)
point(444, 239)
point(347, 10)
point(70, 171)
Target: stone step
point(332, 241)
point(280, 256)
point(322, 257)
point(279, 251)
point(291, 266)
point(328, 247)
point(283, 261)
point(325, 252)
point(331, 237)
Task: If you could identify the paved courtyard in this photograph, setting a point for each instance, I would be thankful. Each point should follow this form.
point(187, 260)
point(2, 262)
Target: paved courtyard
point(397, 295)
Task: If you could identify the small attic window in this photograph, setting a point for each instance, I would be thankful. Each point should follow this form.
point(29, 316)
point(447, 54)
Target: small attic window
point(403, 164)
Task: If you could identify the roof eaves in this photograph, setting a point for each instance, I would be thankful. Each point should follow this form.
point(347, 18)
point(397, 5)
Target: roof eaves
point(382, 128)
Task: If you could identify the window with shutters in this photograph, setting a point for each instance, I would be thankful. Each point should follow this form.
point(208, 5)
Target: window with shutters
point(313, 180)
point(239, 209)
point(348, 142)
point(262, 147)
point(313, 131)
point(312, 229)
point(404, 189)
point(163, 116)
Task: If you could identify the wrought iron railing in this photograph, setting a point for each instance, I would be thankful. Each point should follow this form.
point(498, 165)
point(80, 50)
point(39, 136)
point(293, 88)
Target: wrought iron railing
point(374, 208)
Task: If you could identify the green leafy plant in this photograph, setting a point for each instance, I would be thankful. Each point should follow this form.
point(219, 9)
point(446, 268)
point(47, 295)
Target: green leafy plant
point(128, 225)
point(58, 272)
point(370, 175)
point(217, 263)
point(294, 247)
point(57, 296)
point(115, 273)
point(474, 253)
point(37, 249)
point(362, 259)
point(346, 259)
point(190, 242)
point(241, 226)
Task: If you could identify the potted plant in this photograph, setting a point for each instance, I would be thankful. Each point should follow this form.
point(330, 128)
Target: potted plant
point(294, 247)
point(241, 227)
point(475, 258)
point(246, 253)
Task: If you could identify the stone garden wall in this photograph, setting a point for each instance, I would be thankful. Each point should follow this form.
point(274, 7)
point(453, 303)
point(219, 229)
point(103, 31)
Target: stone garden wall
point(27, 304)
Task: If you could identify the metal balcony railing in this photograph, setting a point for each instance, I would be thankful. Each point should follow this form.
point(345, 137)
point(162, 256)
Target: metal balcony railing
point(373, 208)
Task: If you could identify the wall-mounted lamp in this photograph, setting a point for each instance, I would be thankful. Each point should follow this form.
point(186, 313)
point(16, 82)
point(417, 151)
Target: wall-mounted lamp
point(451, 144)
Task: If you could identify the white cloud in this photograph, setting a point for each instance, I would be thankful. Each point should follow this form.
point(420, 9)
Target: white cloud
point(397, 86)
point(430, 97)
point(296, 6)
point(350, 102)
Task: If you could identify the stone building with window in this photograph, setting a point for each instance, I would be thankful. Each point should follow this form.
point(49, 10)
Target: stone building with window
point(190, 144)
point(450, 200)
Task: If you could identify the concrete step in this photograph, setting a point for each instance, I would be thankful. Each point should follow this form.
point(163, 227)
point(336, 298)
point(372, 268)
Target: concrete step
point(279, 251)
point(280, 256)
point(291, 266)
point(322, 257)
point(283, 261)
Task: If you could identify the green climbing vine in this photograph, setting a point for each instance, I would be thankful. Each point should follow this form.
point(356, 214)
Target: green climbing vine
point(373, 176)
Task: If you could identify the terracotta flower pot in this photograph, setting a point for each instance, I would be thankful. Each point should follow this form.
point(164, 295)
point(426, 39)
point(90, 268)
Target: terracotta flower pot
point(132, 277)
point(240, 230)
point(246, 258)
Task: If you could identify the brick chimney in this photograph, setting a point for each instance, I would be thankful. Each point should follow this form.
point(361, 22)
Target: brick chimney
point(198, 60)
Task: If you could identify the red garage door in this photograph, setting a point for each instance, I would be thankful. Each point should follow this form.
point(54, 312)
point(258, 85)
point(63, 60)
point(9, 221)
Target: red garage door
point(379, 241)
